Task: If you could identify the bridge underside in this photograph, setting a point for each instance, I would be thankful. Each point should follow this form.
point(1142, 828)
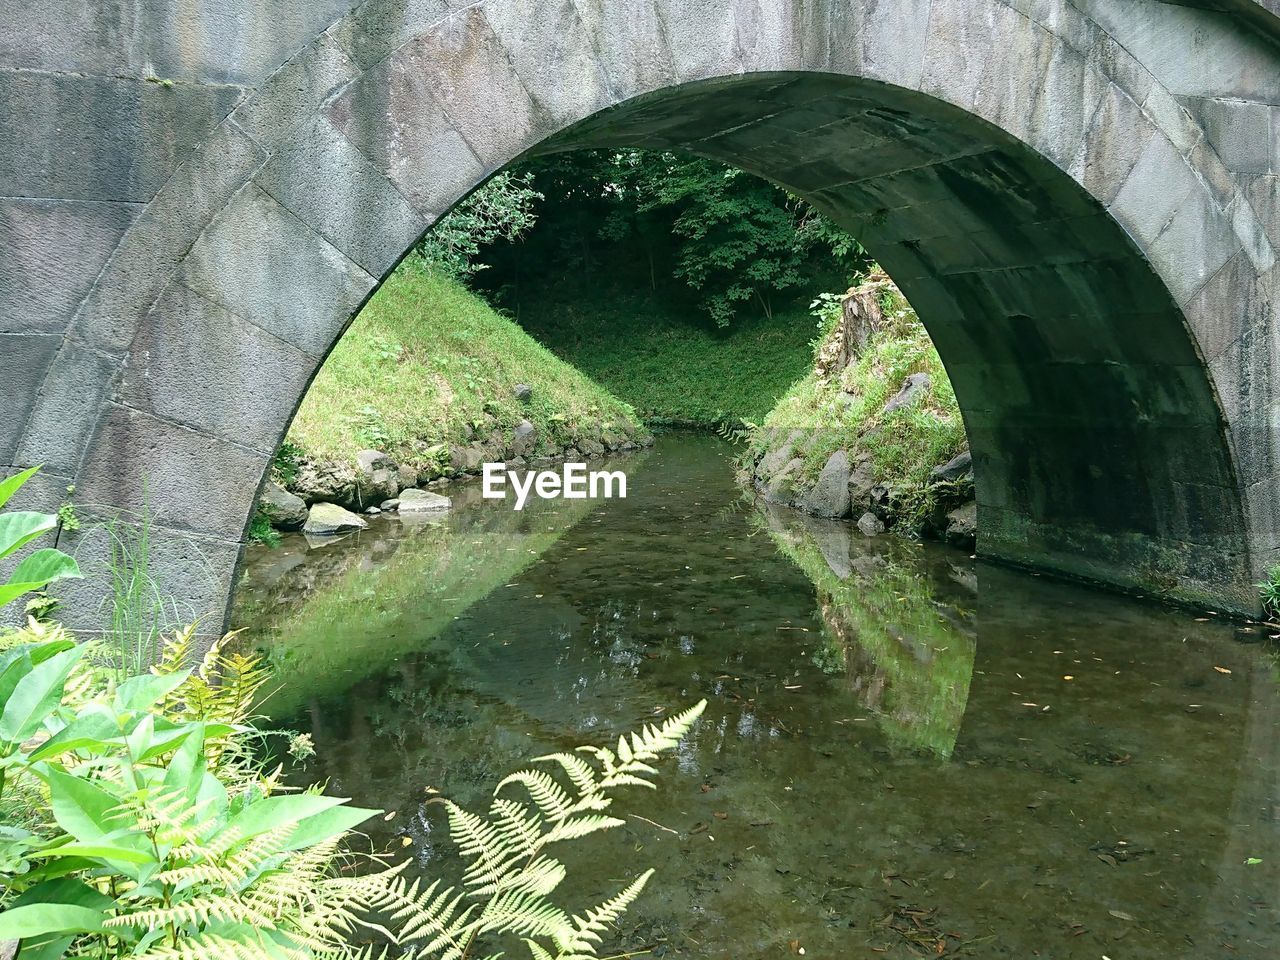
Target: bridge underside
point(1098, 444)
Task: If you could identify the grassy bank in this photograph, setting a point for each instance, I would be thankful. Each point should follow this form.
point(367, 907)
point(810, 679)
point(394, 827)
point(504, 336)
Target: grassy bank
point(658, 353)
point(429, 363)
point(845, 410)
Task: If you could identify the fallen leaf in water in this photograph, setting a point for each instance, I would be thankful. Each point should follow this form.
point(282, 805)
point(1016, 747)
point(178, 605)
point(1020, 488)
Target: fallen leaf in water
point(720, 815)
point(1107, 859)
point(705, 788)
point(1068, 677)
point(1120, 915)
point(390, 816)
point(1222, 669)
point(1251, 861)
point(405, 841)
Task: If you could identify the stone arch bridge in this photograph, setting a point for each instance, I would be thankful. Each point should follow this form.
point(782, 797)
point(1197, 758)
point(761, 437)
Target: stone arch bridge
point(1081, 198)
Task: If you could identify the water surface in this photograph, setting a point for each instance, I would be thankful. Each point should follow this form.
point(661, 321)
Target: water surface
point(905, 753)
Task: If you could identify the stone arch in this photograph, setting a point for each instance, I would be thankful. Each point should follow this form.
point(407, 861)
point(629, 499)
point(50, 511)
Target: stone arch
point(1095, 278)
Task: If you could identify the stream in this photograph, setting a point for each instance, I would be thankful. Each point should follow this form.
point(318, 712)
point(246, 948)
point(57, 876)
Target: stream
point(906, 752)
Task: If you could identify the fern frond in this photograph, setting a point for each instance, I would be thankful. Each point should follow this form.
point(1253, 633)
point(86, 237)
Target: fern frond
point(552, 800)
point(580, 827)
point(596, 920)
point(580, 773)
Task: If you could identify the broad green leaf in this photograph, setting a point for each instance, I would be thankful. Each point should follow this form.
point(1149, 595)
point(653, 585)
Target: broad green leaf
point(101, 851)
point(265, 815)
point(144, 692)
point(37, 918)
point(36, 696)
point(328, 824)
point(13, 671)
point(11, 485)
point(51, 947)
point(93, 728)
point(187, 766)
point(84, 810)
point(10, 592)
point(45, 566)
point(140, 737)
point(75, 892)
point(19, 528)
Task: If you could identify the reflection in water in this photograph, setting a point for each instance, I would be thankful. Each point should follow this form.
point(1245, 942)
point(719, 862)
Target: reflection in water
point(904, 642)
point(905, 753)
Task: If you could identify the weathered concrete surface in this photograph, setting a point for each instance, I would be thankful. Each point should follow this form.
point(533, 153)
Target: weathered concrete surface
point(1081, 198)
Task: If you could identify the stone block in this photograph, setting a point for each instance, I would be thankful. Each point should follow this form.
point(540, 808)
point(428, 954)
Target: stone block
point(187, 480)
point(630, 43)
point(53, 252)
point(552, 53)
point(1155, 190)
point(273, 111)
point(1118, 136)
point(376, 27)
point(457, 75)
point(196, 364)
point(78, 382)
point(258, 260)
point(233, 41)
point(143, 263)
point(24, 358)
point(1240, 131)
point(1198, 240)
point(336, 189)
point(100, 138)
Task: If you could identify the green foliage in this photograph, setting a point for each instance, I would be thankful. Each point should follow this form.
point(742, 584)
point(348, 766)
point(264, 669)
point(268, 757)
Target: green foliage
point(453, 365)
point(730, 237)
point(1269, 591)
point(284, 465)
point(18, 529)
point(162, 837)
point(502, 209)
point(261, 531)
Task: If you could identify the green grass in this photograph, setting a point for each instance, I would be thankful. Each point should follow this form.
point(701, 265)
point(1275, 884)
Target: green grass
point(848, 412)
point(427, 359)
point(657, 352)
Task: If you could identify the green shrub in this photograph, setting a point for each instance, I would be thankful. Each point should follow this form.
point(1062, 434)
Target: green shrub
point(163, 837)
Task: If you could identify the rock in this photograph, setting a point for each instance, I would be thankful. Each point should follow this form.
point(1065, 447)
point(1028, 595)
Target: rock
point(372, 511)
point(326, 482)
point(388, 505)
point(829, 497)
point(524, 439)
point(912, 389)
point(593, 449)
point(407, 476)
point(466, 459)
point(327, 519)
point(772, 462)
point(962, 525)
point(572, 455)
point(282, 508)
point(953, 469)
point(862, 480)
point(523, 392)
point(377, 477)
point(414, 501)
point(870, 525)
point(781, 486)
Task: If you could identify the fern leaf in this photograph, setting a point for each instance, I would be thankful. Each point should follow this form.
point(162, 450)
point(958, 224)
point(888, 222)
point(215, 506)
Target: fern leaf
point(580, 772)
point(597, 919)
point(552, 800)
